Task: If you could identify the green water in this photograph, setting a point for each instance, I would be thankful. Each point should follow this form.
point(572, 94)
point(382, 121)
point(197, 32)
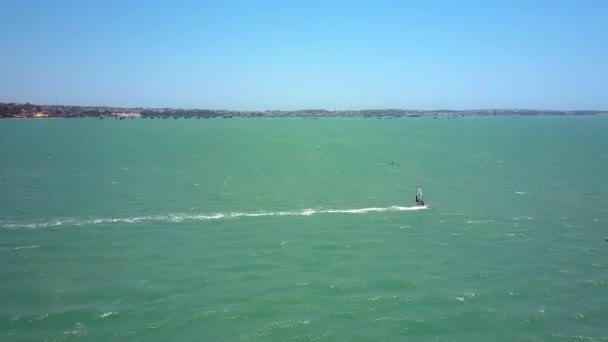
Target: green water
point(292, 229)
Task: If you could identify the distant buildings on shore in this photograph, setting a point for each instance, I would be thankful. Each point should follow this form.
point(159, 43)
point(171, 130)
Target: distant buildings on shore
point(126, 114)
point(27, 110)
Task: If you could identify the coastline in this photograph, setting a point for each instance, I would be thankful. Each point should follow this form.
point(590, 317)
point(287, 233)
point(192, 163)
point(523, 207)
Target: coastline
point(31, 111)
point(303, 118)
point(444, 117)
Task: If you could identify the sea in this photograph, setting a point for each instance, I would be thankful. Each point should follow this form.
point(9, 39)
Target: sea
point(291, 229)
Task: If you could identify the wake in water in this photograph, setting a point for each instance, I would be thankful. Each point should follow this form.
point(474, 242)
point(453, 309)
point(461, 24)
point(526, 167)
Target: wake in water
point(175, 218)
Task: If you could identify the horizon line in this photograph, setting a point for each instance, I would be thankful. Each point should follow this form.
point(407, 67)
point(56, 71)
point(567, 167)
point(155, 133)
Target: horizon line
point(308, 109)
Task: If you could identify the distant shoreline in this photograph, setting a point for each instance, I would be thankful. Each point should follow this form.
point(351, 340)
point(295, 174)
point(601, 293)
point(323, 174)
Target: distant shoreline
point(293, 117)
point(31, 111)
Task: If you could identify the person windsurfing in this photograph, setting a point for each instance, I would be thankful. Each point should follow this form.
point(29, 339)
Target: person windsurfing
point(419, 199)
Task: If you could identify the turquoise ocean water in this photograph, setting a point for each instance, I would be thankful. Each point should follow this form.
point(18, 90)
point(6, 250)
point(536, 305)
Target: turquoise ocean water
point(302, 230)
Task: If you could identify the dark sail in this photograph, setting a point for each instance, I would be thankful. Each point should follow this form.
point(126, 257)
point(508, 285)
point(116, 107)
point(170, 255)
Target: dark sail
point(419, 199)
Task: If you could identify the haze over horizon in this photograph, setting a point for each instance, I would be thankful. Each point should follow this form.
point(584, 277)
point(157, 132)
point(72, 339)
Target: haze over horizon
point(287, 56)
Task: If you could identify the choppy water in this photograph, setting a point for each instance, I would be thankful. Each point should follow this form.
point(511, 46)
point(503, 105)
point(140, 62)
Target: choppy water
point(290, 229)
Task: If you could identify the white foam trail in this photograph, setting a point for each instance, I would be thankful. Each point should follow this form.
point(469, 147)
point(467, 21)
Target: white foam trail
point(180, 217)
point(479, 221)
point(106, 314)
point(25, 247)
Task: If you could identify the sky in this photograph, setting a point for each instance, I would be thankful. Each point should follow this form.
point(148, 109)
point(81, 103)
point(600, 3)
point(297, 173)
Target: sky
point(286, 55)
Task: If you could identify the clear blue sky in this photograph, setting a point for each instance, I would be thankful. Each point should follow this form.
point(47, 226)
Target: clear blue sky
point(306, 54)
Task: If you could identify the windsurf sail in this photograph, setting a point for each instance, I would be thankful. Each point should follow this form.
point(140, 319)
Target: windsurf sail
point(419, 199)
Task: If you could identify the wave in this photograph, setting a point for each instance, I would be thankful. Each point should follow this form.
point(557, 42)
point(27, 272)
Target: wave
point(25, 247)
point(479, 221)
point(180, 217)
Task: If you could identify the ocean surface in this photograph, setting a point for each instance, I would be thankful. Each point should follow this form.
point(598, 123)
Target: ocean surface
point(302, 230)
